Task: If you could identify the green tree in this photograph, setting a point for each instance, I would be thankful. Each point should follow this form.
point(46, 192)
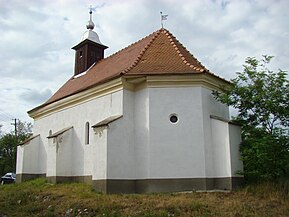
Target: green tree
point(261, 98)
point(8, 146)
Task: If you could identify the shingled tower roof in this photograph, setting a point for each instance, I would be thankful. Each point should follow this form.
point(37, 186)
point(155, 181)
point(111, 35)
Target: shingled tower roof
point(160, 53)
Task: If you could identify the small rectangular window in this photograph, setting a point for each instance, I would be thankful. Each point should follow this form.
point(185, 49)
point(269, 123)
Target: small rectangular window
point(86, 133)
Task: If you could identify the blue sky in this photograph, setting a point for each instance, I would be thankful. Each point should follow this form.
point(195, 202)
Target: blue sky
point(37, 37)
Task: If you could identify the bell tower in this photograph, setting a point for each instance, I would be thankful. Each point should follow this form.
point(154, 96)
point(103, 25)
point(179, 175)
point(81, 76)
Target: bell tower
point(90, 50)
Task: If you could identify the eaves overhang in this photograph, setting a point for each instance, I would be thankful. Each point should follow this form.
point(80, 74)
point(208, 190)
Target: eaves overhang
point(133, 83)
point(208, 80)
point(107, 121)
point(59, 132)
point(87, 41)
point(77, 98)
point(26, 141)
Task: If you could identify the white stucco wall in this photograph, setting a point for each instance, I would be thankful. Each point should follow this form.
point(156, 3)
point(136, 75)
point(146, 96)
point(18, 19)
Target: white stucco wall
point(27, 157)
point(141, 133)
point(176, 150)
point(19, 158)
point(42, 156)
point(91, 111)
point(51, 157)
point(64, 151)
point(235, 140)
point(220, 149)
point(211, 107)
point(99, 153)
point(121, 139)
point(144, 144)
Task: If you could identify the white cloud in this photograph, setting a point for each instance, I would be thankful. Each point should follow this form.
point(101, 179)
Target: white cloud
point(35, 96)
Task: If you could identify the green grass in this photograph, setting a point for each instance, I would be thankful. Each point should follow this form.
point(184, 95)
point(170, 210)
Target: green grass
point(38, 198)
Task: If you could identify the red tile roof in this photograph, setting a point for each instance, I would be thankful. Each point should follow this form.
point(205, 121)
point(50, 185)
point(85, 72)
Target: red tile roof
point(158, 53)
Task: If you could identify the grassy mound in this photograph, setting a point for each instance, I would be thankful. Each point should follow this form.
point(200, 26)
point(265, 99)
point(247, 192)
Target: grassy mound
point(39, 198)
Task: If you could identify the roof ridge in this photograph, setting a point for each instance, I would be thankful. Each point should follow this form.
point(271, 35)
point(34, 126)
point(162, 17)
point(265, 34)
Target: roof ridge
point(138, 58)
point(175, 43)
point(125, 48)
point(172, 38)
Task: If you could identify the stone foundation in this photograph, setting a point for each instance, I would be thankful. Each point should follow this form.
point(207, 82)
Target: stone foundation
point(26, 176)
point(115, 186)
point(120, 186)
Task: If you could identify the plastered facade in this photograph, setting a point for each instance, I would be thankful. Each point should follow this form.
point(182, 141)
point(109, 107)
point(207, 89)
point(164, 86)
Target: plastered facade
point(142, 151)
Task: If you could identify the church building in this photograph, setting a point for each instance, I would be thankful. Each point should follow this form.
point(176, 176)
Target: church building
point(141, 120)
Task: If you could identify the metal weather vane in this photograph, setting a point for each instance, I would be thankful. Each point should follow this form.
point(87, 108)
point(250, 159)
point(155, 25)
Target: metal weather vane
point(163, 17)
point(92, 9)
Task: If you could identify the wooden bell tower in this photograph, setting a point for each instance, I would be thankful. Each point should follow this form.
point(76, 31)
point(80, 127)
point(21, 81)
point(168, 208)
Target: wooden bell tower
point(89, 51)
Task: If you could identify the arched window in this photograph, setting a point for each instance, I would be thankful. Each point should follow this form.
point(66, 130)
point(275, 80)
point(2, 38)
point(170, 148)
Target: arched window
point(86, 133)
point(50, 132)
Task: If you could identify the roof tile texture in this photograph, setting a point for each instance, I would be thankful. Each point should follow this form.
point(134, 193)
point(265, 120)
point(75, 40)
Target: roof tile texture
point(158, 53)
point(165, 54)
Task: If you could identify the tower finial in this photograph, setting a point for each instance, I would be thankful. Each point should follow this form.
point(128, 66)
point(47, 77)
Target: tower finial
point(90, 24)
